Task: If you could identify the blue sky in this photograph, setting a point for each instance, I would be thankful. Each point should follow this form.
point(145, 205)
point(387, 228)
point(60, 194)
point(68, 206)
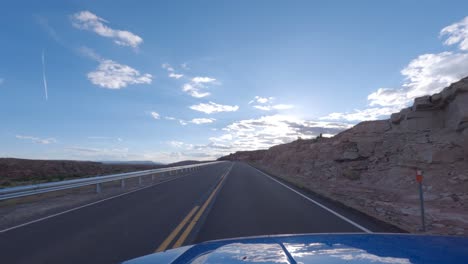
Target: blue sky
point(174, 80)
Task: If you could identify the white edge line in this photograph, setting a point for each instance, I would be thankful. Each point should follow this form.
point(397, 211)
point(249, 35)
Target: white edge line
point(317, 203)
point(86, 205)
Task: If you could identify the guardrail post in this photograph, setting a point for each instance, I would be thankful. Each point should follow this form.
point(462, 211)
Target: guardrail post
point(152, 177)
point(98, 188)
point(139, 180)
point(122, 183)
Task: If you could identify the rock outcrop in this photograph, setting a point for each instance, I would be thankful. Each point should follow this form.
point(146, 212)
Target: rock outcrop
point(371, 167)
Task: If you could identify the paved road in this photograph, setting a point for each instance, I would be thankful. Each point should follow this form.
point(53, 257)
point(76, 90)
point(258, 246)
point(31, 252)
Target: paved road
point(219, 201)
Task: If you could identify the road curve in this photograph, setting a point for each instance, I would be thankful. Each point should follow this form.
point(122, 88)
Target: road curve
point(219, 201)
point(252, 204)
point(112, 231)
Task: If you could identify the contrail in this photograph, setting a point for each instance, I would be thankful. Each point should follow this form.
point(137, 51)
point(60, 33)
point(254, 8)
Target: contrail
point(44, 75)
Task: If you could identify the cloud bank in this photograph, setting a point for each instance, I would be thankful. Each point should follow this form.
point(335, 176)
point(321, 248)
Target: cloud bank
point(212, 107)
point(425, 75)
point(37, 140)
point(85, 20)
point(113, 75)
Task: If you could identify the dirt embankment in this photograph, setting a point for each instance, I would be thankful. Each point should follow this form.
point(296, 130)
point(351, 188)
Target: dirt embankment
point(371, 167)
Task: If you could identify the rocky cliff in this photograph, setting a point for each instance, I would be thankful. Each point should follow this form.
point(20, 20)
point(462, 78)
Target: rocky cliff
point(371, 167)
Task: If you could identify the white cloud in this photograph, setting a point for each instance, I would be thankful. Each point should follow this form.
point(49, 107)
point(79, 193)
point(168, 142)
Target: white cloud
point(265, 132)
point(282, 106)
point(37, 140)
point(155, 115)
point(168, 67)
point(181, 121)
point(362, 115)
point(175, 75)
point(86, 20)
point(274, 107)
point(425, 75)
point(124, 154)
point(211, 107)
point(203, 80)
point(224, 137)
point(200, 121)
point(194, 91)
point(261, 100)
point(195, 86)
point(90, 153)
point(263, 107)
point(387, 97)
point(171, 71)
point(266, 104)
point(179, 156)
point(457, 33)
point(105, 138)
point(177, 144)
point(113, 75)
point(246, 134)
point(429, 73)
point(180, 144)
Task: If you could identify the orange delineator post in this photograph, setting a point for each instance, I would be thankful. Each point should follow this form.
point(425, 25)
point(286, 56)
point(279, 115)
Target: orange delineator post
point(419, 179)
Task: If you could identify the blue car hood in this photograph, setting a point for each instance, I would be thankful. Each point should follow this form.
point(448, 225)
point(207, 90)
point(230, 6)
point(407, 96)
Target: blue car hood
point(345, 248)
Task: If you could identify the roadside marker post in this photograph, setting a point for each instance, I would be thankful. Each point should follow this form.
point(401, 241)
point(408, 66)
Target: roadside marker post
point(419, 179)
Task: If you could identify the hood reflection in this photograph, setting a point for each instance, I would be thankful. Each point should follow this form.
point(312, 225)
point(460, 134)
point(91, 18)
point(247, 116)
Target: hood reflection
point(320, 252)
point(301, 253)
point(321, 249)
point(244, 253)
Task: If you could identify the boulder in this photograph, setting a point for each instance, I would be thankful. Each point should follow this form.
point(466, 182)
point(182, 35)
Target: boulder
point(423, 103)
point(396, 118)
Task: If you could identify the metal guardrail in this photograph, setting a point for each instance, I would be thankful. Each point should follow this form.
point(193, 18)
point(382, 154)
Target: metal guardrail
point(21, 191)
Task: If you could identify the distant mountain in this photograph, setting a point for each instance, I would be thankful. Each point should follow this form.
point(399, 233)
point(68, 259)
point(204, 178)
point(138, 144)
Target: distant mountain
point(15, 171)
point(24, 171)
point(185, 162)
point(132, 162)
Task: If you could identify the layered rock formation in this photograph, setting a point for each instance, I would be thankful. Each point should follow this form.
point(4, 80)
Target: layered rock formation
point(371, 167)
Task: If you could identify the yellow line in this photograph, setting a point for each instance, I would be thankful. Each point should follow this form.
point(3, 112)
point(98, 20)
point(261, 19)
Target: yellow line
point(187, 231)
point(176, 231)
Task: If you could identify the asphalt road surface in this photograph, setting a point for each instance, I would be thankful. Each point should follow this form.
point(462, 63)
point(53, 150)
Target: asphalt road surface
point(224, 200)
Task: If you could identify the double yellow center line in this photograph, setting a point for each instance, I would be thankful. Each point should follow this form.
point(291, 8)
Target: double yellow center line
point(187, 218)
